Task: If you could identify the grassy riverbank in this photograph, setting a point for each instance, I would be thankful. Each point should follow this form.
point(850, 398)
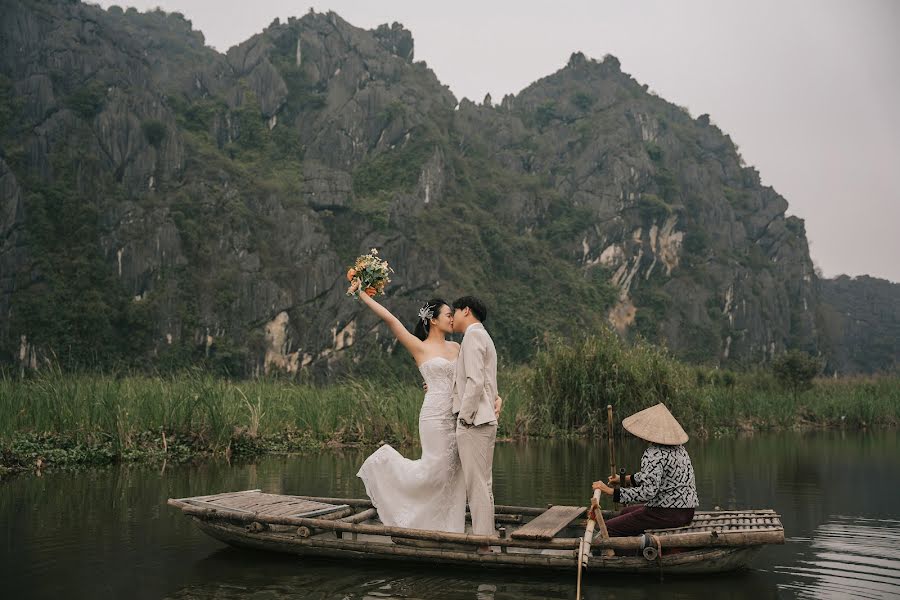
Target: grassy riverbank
point(61, 419)
point(85, 418)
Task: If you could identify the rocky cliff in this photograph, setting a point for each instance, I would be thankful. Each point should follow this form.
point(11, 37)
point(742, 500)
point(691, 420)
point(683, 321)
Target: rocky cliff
point(164, 204)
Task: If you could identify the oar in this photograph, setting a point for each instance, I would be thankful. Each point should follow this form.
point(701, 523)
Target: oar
point(585, 546)
point(612, 449)
point(595, 518)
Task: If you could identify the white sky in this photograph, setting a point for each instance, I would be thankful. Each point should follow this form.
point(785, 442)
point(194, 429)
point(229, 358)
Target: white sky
point(808, 89)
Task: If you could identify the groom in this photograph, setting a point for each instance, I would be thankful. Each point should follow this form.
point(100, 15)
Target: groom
point(474, 393)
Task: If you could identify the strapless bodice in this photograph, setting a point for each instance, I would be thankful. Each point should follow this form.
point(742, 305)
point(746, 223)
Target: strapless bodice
point(439, 374)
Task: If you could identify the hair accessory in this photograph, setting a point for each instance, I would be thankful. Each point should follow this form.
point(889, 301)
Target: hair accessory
point(426, 313)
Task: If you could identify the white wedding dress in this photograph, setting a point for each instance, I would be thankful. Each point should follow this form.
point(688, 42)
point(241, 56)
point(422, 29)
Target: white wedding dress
point(428, 493)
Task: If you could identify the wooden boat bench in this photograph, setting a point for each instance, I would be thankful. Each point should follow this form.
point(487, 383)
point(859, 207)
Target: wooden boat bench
point(546, 525)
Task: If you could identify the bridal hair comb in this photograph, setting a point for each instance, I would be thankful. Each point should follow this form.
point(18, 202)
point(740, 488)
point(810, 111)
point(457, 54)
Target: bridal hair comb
point(426, 313)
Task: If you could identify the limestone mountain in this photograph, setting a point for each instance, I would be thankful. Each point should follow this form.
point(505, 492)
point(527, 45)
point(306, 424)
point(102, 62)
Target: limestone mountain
point(162, 204)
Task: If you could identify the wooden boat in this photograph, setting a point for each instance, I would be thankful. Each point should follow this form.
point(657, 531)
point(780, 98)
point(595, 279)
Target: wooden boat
point(530, 538)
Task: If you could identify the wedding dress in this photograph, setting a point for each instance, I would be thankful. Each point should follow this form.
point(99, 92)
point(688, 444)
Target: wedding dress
point(429, 493)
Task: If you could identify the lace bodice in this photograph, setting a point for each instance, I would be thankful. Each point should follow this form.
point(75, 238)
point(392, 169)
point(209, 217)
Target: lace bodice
point(439, 374)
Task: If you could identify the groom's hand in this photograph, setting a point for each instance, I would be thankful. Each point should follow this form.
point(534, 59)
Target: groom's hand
point(498, 405)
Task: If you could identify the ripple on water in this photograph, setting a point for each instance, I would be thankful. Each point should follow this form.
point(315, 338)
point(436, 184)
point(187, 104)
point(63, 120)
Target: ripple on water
point(848, 557)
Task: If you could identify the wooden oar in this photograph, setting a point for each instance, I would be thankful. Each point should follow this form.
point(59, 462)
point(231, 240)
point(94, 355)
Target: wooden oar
point(584, 546)
point(595, 519)
point(612, 449)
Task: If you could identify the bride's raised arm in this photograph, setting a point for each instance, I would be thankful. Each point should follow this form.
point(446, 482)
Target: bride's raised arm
point(409, 341)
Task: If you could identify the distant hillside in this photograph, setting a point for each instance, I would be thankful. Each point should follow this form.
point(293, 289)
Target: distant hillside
point(162, 204)
point(861, 324)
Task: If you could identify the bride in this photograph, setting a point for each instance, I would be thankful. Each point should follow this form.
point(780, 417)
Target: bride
point(428, 493)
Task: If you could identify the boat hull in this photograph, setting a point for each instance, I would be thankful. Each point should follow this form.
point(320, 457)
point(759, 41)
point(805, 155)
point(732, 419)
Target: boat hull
point(377, 548)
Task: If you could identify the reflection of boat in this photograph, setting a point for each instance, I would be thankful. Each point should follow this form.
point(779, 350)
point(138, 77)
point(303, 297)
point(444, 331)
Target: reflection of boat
point(531, 538)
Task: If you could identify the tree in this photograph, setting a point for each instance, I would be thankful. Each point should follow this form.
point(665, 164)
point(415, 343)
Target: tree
point(795, 370)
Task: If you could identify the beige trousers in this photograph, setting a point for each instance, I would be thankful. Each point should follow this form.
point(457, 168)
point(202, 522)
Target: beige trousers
point(476, 453)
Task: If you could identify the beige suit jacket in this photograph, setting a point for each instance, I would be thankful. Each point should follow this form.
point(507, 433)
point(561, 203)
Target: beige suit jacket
point(475, 387)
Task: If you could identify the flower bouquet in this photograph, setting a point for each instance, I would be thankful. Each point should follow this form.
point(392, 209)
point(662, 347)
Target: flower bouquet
point(372, 272)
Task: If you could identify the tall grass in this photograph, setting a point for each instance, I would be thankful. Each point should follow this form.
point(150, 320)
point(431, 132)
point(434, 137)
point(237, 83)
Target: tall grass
point(570, 385)
point(211, 411)
point(564, 391)
point(92, 407)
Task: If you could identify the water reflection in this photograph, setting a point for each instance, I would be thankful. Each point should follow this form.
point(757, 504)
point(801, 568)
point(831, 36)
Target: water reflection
point(848, 556)
point(232, 574)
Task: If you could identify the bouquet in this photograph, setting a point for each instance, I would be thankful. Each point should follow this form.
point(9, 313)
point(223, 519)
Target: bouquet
point(373, 274)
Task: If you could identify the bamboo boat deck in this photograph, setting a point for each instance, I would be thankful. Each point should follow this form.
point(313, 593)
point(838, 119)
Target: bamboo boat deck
point(276, 505)
point(527, 537)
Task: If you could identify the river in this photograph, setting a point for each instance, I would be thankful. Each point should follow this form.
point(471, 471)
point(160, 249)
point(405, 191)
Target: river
point(107, 533)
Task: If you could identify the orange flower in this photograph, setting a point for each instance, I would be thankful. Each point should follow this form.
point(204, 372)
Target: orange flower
point(371, 292)
point(351, 274)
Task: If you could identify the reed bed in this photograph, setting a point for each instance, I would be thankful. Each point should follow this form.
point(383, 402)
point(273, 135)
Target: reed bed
point(62, 418)
point(100, 418)
point(570, 385)
point(88, 407)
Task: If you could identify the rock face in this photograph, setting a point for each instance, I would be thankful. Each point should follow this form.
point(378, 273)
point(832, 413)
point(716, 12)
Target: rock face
point(164, 204)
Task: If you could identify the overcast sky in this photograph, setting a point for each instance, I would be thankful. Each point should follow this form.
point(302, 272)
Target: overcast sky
point(804, 87)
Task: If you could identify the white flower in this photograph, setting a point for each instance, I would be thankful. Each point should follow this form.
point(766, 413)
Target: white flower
point(374, 251)
point(425, 313)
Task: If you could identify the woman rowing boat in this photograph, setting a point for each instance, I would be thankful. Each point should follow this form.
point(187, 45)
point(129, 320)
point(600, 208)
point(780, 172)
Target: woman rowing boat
point(664, 486)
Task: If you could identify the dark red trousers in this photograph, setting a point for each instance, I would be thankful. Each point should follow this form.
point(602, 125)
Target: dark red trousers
point(636, 519)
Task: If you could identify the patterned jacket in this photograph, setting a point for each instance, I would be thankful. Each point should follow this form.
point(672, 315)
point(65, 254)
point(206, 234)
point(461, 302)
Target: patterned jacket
point(666, 479)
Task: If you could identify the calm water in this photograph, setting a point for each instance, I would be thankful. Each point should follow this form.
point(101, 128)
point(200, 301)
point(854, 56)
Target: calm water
point(108, 533)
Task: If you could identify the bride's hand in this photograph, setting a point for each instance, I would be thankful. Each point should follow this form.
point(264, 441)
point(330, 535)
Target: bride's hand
point(498, 405)
point(354, 285)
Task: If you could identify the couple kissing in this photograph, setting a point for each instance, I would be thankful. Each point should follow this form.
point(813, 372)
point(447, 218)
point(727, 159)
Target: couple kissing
point(457, 424)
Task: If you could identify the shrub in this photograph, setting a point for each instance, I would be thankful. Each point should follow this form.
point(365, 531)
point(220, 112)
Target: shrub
point(87, 100)
point(701, 343)
point(696, 242)
point(666, 183)
point(546, 112)
point(395, 169)
point(795, 370)
point(582, 101)
point(154, 131)
point(652, 208)
point(654, 152)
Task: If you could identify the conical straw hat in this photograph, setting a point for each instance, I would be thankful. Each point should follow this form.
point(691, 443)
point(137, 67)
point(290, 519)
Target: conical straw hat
point(656, 424)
